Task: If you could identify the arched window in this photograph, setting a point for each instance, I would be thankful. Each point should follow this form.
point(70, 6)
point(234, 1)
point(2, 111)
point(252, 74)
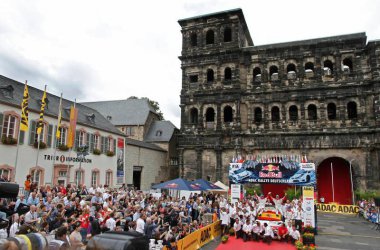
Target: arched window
point(275, 113)
point(62, 138)
point(312, 112)
point(291, 68)
point(194, 39)
point(328, 68)
point(257, 74)
point(194, 116)
point(227, 34)
point(210, 75)
point(210, 37)
point(159, 133)
point(273, 72)
point(95, 177)
point(79, 177)
point(38, 175)
point(227, 112)
point(10, 126)
point(347, 65)
point(210, 115)
point(293, 113)
point(258, 115)
point(309, 67)
point(331, 111)
point(227, 74)
point(109, 179)
point(352, 112)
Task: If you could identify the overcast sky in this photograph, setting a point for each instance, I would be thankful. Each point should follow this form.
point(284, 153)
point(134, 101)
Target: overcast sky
point(109, 50)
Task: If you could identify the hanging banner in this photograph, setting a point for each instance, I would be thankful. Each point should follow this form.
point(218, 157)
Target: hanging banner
point(120, 161)
point(308, 205)
point(284, 172)
point(337, 208)
point(235, 192)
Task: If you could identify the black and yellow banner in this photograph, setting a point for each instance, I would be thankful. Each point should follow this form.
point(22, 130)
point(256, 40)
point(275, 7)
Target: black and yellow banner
point(40, 124)
point(337, 208)
point(24, 109)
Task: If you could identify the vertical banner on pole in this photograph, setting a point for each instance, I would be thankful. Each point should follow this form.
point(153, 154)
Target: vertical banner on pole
point(308, 204)
point(235, 192)
point(120, 161)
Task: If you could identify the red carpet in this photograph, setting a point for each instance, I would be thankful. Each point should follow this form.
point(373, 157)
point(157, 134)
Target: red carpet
point(239, 244)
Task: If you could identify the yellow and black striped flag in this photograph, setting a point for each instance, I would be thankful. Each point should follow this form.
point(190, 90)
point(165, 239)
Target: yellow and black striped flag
point(58, 133)
point(24, 109)
point(40, 124)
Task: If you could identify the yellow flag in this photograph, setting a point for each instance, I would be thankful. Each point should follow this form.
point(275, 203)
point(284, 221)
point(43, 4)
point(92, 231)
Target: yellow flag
point(73, 124)
point(24, 109)
point(40, 124)
point(58, 133)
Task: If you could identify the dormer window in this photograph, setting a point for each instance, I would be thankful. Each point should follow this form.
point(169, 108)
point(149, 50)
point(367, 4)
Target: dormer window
point(158, 133)
point(7, 91)
point(91, 118)
point(109, 117)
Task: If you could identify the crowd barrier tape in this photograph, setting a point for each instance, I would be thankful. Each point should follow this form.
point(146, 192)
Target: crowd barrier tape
point(337, 208)
point(200, 237)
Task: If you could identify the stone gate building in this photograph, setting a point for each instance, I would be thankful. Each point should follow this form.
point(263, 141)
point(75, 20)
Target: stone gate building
point(317, 97)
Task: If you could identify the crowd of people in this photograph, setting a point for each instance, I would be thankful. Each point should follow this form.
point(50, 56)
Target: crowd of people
point(368, 210)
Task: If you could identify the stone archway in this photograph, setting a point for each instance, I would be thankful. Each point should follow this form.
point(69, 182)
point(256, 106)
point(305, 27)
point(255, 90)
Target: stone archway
point(334, 180)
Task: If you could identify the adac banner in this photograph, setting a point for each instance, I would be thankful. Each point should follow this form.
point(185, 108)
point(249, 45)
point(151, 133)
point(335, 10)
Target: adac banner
point(285, 172)
point(337, 208)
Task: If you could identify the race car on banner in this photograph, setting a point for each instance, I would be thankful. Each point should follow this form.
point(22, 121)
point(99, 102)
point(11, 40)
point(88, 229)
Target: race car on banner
point(282, 172)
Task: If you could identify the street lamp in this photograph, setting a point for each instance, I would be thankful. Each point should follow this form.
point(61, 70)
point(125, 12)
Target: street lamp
point(352, 183)
point(82, 152)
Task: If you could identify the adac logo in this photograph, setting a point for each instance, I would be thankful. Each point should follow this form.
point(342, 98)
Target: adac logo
point(270, 168)
point(172, 185)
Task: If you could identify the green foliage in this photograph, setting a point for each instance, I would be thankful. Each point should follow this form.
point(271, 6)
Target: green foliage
point(232, 231)
point(8, 140)
point(366, 195)
point(251, 190)
point(291, 193)
point(224, 238)
point(42, 144)
point(63, 147)
point(110, 153)
point(96, 151)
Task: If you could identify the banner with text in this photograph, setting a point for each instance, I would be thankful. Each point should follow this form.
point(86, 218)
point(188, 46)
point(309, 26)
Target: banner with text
point(308, 205)
point(285, 172)
point(120, 161)
point(337, 208)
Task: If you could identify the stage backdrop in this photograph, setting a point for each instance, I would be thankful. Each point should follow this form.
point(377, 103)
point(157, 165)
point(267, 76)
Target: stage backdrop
point(284, 172)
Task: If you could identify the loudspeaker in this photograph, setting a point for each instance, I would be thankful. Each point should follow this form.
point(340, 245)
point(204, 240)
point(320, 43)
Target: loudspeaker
point(8, 190)
point(377, 201)
point(118, 240)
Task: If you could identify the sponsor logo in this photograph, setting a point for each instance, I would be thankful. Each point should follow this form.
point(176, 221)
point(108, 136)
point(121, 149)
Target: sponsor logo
point(172, 185)
point(270, 175)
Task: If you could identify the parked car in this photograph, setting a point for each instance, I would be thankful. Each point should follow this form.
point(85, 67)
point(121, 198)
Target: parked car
point(302, 176)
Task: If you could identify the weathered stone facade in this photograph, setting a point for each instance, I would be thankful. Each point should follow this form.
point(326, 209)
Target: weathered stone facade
point(318, 97)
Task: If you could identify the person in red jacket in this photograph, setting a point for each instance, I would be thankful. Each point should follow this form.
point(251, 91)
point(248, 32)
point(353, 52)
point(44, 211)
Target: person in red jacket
point(282, 233)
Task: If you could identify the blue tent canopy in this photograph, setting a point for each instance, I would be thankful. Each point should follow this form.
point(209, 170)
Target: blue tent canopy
point(205, 185)
point(177, 184)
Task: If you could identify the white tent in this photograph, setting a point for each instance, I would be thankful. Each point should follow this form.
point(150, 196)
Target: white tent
point(221, 185)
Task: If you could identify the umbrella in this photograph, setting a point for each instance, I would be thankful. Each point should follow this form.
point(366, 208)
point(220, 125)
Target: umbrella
point(205, 185)
point(176, 184)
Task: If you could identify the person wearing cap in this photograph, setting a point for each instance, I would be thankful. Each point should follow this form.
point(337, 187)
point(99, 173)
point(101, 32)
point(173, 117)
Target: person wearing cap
point(238, 228)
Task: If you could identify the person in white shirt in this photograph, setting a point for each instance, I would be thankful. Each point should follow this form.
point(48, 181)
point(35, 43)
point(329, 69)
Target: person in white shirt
point(31, 217)
point(298, 216)
point(256, 231)
point(140, 224)
point(238, 228)
point(15, 226)
point(225, 218)
point(268, 234)
point(294, 234)
point(247, 231)
point(111, 223)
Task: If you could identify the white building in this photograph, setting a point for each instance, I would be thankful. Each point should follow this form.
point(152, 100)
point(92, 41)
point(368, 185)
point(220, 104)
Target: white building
point(55, 163)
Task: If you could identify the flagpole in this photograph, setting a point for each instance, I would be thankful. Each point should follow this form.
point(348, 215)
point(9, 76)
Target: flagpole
point(332, 181)
point(19, 128)
point(55, 138)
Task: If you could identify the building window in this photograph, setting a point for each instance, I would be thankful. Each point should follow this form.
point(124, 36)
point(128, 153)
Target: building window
point(194, 116)
point(227, 113)
point(257, 75)
point(352, 110)
point(79, 177)
point(293, 113)
point(227, 34)
point(94, 178)
point(37, 176)
point(194, 39)
point(42, 136)
point(9, 126)
point(5, 174)
point(210, 115)
point(82, 138)
point(210, 37)
point(331, 111)
point(258, 115)
point(193, 78)
point(347, 65)
point(328, 68)
point(227, 74)
point(309, 67)
point(275, 113)
point(62, 173)
point(108, 181)
point(291, 68)
point(312, 112)
point(96, 141)
point(62, 139)
point(210, 75)
point(158, 133)
point(273, 72)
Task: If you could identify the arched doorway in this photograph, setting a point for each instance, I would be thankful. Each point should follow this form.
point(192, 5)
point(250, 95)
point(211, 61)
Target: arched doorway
point(334, 180)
